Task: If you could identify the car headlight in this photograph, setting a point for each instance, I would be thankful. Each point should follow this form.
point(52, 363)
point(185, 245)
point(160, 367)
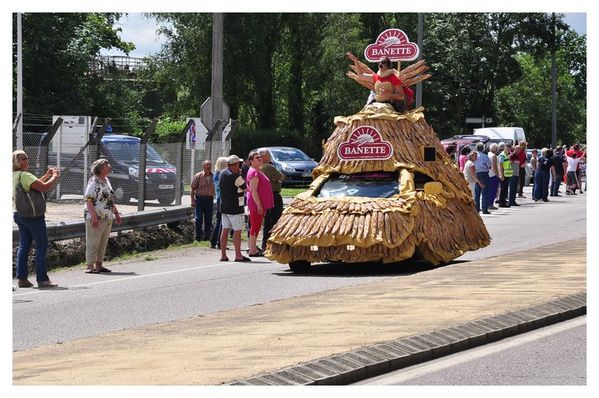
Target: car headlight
point(134, 171)
point(288, 168)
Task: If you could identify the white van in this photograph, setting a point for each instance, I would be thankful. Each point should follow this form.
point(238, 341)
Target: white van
point(505, 134)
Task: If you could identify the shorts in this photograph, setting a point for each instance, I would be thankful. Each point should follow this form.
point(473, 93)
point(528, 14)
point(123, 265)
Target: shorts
point(232, 221)
point(255, 222)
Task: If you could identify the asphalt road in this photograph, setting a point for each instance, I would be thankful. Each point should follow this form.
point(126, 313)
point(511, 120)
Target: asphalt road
point(192, 282)
point(553, 355)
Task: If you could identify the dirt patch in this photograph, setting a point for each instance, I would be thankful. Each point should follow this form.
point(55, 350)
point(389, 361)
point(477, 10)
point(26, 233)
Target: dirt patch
point(70, 253)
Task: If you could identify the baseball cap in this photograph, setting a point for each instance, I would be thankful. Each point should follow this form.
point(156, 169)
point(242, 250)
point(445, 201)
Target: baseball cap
point(233, 159)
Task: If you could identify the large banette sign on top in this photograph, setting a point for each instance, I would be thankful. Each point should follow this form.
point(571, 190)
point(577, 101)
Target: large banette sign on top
point(365, 143)
point(393, 44)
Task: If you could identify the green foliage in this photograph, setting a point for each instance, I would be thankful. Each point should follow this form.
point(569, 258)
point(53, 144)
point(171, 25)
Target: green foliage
point(284, 73)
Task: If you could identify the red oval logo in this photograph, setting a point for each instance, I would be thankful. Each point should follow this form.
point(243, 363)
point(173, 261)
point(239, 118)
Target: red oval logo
point(365, 143)
point(393, 44)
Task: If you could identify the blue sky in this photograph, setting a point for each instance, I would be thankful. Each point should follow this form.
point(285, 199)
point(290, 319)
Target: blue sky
point(142, 31)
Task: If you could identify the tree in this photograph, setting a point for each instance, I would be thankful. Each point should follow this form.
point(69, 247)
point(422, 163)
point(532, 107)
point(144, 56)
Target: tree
point(57, 52)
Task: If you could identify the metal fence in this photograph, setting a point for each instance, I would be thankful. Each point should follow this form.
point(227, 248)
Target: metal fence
point(167, 175)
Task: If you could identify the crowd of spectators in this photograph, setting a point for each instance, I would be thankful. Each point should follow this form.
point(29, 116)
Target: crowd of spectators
point(497, 174)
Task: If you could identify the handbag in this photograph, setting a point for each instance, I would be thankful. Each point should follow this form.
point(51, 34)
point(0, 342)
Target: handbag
point(30, 204)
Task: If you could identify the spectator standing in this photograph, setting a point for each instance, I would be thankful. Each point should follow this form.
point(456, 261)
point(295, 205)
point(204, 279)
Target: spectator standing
point(559, 161)
point(544, 167)
point(275, 177)
point(505, 174)
point(232, 188)
point(572, 182)
point(202, 199)
point(534, 159)
point(450, 150)
point(522, 171)
point(470, 172)
point(259, 199)
point(221, 164)
point(481, 191)
point(99, 213)
point(31, 229)
point(515, 179)
point(463, 157)
point(581, 156)
point(493, 178)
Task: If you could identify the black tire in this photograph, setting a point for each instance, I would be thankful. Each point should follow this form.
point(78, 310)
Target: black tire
point(166, 199)
point(300, 266)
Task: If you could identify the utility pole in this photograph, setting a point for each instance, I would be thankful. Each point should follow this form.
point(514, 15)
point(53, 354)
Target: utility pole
point(553, 85)
point(419, 42)
point(217, 69)
point(19, 81)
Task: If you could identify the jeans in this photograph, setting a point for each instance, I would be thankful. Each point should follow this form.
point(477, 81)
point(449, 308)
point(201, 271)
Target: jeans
point(271, 218)
point(556, 183)
point(484, 192)
point(521, 180)
point(513, 189)
point(541, 189)
point(215, 239)
point(493, 185)
point(503, 191)
point(30, 230)
point(203, 212)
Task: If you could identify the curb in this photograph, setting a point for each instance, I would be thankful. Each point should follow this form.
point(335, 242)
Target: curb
point(381, 358)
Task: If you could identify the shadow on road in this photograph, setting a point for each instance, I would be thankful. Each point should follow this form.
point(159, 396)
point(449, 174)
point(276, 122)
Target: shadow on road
point(408, 267)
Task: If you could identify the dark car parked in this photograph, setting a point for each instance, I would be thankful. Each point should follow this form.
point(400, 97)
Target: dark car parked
point(295, 164)
point(123, 154)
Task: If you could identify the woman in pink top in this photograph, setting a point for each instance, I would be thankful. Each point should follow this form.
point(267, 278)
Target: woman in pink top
point(259, 199)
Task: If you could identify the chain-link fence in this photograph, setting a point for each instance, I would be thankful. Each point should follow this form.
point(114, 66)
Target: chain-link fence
point(167, 175)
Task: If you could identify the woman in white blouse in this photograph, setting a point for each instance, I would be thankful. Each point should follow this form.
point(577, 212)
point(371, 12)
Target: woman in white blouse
point(100, 212)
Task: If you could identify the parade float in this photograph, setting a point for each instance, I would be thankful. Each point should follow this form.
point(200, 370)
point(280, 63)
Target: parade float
point(385, 189)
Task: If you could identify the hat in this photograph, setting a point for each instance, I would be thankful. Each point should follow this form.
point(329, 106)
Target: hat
point(233, 159)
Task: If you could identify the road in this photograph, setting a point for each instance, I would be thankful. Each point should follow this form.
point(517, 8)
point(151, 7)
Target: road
point(553, 355)
point(181, 284)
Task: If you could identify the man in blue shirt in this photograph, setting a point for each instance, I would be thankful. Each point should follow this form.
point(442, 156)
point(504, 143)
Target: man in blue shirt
point(482, 167)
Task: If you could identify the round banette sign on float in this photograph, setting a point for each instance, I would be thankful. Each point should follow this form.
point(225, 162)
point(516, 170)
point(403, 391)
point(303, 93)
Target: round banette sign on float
point(393, 44)
point(365, 143)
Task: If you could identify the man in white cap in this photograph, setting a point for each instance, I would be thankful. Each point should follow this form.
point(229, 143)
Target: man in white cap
point(232, 188)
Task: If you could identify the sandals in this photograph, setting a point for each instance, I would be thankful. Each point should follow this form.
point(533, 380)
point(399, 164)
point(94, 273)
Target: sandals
point(46, 284)
point(243, 259)
point(97, 270)
point(257, 254)
point(224, 259)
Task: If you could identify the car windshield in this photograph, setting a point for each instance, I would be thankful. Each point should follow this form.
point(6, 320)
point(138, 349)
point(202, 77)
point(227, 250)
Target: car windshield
point(128, 152)
point(288, 154)
point(370, 185)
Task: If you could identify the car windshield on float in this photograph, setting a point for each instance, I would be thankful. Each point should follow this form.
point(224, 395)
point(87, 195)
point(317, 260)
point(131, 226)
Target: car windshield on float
point(370, 185)
point(130, 150)
point(287, 155)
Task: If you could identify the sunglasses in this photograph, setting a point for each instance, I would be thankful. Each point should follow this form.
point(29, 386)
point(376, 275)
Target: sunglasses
point(257, 157)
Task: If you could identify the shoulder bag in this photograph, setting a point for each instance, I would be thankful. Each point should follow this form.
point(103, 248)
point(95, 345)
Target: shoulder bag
point(30, 204)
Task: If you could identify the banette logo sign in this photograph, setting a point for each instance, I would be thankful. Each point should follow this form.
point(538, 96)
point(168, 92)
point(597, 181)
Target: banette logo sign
point(365, 143)
point(393, 44)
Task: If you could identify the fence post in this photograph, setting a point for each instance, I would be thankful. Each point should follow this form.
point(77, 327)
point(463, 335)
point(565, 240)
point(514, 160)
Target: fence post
point(143, 144)
point(179, 162)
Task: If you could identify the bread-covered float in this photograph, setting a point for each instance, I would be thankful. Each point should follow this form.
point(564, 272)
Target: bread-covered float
point(385, 190)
